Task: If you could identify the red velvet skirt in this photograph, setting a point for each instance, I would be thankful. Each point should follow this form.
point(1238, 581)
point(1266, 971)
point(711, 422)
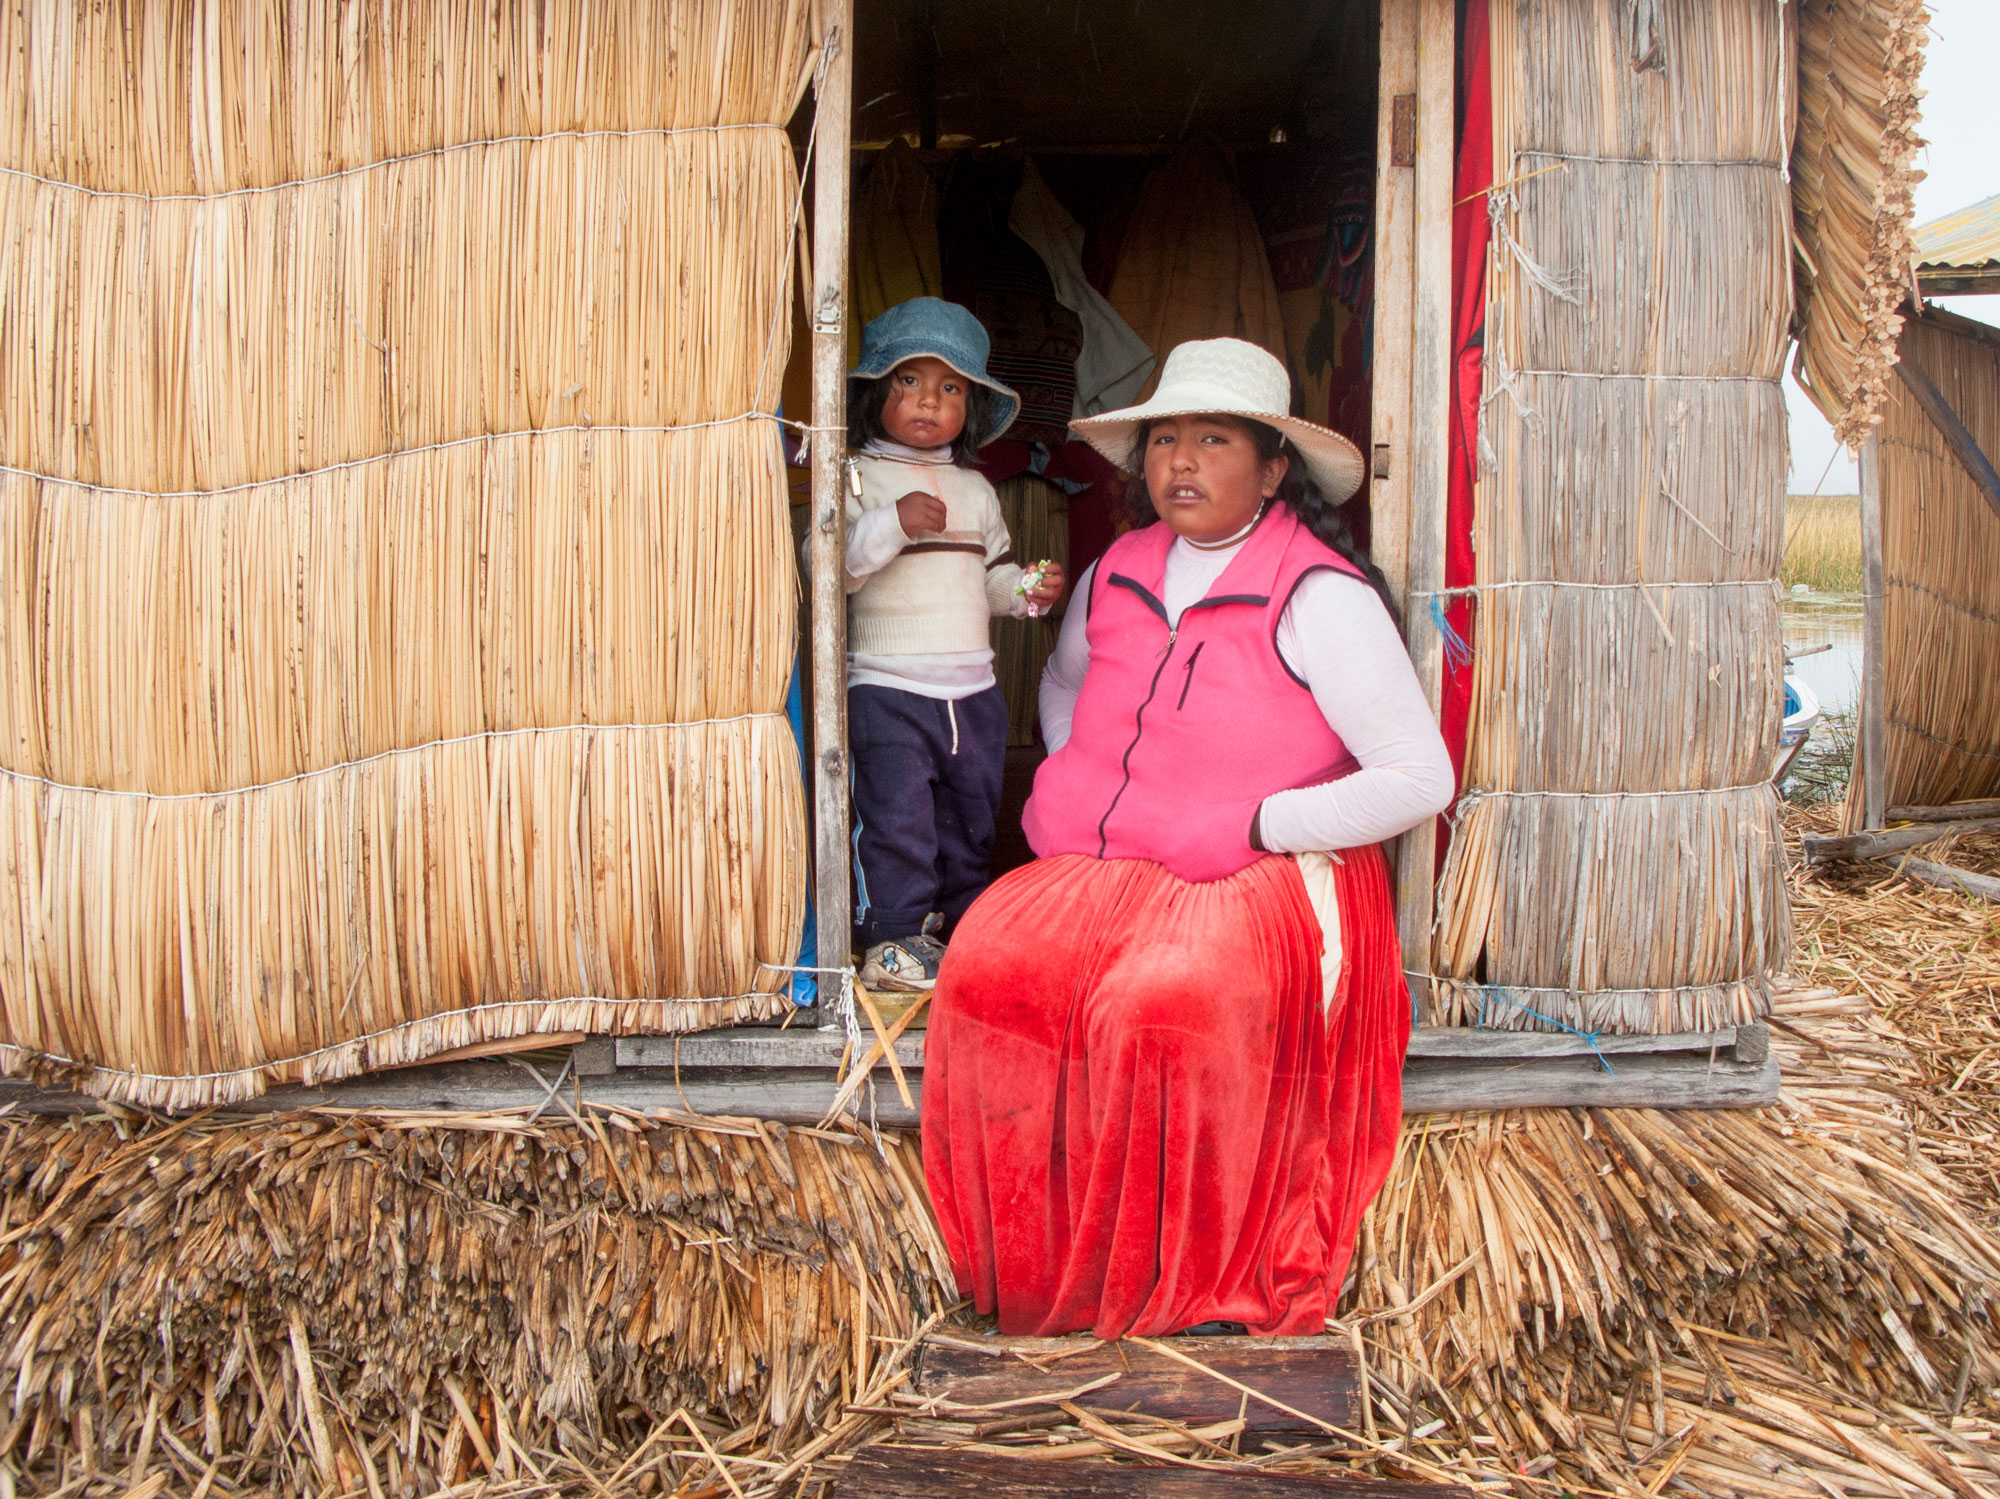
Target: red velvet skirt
point(1139, 1115)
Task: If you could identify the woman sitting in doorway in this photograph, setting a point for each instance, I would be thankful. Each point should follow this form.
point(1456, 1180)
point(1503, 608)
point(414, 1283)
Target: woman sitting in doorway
point(1163, 1076)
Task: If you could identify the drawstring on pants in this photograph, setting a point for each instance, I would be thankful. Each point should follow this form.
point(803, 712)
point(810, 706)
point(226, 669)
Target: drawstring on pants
point(951, 711)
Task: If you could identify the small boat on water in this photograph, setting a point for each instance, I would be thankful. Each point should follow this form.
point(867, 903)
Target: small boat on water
point(1802, 711)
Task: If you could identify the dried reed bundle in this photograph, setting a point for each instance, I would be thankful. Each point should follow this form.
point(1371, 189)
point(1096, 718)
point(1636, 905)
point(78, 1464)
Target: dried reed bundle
point(198, 645)
point(393, 1304)
point(208, 96)
point(1626, 646)
point(1560, 912)
point(1853, 170)
point(1037, 516)
point(599, 879)
point(398, 610)
point(1556, 672)
point(1941, 576)
point(200, 344)
point(1670, 462)
point(1928, 961)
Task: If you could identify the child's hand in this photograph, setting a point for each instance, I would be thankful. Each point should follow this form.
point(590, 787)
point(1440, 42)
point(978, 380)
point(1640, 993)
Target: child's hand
point(1043, 596)
point(920, 511)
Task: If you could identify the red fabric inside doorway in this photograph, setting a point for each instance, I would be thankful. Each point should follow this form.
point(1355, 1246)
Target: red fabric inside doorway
point(1471, 234)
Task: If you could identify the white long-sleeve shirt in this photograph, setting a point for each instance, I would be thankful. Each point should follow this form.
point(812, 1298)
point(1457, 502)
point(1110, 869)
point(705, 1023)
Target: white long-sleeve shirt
point(875, 539)
point(1337, 637)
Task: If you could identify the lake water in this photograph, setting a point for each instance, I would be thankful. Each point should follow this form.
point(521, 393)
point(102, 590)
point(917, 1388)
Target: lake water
point(1827, 619)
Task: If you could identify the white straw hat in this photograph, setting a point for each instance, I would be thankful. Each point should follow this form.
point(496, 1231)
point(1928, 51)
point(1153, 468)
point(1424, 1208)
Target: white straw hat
point(1228, 377)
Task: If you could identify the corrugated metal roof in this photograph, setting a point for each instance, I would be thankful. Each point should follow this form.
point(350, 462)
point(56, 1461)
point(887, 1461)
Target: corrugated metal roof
point(1969, 237)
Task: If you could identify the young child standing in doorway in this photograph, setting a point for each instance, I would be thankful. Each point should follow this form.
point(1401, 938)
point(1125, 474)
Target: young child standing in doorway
point(928, 563)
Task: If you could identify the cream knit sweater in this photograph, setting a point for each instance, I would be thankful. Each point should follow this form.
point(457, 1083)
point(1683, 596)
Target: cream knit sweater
point(938, 592)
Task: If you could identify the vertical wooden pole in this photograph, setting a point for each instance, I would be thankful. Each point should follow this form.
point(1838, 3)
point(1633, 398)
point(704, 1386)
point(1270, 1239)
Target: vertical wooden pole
point(1395, 275)
point(832, 908)
point(1874, 639)
point(1430, 425)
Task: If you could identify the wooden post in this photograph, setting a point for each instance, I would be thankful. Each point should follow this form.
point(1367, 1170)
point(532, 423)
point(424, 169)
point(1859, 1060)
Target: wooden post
point(1430, 426)
point(1874, 639)
point(832, 908)
point(1395, 273)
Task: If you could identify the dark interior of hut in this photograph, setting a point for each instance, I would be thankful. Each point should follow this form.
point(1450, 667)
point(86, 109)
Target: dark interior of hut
point(1098, 182)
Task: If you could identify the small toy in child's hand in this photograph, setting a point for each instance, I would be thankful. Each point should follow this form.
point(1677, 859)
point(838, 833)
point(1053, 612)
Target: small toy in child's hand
point(1031, 579)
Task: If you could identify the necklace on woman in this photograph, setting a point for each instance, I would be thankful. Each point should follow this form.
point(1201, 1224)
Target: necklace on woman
point(1229, 541)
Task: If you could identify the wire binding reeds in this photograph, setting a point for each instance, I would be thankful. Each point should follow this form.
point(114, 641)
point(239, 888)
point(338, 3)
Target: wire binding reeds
point(395, 605)
point(393, 1304)
point(1614, 850)
point(1941, 576)
point(1853, 172)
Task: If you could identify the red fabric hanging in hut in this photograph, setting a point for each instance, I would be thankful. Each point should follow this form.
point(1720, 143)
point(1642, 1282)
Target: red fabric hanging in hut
point(1471, 235)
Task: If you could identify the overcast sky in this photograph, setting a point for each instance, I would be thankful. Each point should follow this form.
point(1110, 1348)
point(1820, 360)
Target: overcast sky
point(1964, 167)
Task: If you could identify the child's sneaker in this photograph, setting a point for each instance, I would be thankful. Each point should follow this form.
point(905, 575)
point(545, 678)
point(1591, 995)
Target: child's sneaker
point(909, 964)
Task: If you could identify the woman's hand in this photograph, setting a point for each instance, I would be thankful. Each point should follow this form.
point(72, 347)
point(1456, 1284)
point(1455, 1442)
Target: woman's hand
point(920, 511)
point(1050, 589)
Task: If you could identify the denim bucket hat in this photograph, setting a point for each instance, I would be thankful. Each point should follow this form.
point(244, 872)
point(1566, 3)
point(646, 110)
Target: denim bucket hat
point(942, 330)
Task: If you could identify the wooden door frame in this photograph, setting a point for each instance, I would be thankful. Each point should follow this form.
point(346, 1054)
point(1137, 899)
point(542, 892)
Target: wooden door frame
point(1416, 144)
point(1416, 148)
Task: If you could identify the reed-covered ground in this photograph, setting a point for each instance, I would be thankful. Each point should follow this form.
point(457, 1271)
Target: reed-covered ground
point(1822, 543)
point(1783, 1303)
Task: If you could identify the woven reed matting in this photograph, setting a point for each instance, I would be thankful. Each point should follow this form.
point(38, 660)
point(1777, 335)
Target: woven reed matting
point(396, 608)
point(1941, 577)
point(1617, 842)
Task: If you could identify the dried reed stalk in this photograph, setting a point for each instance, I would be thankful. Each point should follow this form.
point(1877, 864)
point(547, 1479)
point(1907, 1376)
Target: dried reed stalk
point(397, 605)
point(1615, 847)
point(476, 1297)
point(1941, 577)
point(1853, 171)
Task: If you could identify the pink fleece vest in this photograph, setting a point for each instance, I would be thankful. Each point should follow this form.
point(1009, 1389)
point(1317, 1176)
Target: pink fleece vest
point(1180, 733)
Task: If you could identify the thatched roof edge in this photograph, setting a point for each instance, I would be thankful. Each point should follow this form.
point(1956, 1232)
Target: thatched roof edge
point(1853, 171)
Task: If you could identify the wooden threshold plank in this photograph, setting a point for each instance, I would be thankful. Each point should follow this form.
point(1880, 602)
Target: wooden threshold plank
point(800, 1047)
point(925, 1472)
point(1313, 1375)
point(800, 1096)
point(805, 1047)
point(1686, 1080)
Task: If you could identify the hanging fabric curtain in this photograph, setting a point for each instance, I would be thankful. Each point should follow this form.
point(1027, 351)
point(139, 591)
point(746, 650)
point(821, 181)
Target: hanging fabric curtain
point(1191, 262)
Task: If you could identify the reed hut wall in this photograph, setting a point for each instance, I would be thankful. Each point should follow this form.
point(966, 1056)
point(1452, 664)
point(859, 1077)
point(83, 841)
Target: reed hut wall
point(1853, 170)
point(395, 603)
point(1616, 864)
point(1940, 576)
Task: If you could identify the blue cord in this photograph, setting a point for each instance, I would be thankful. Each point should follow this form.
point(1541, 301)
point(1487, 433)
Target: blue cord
point(1457, 652)
point(1589, 1038)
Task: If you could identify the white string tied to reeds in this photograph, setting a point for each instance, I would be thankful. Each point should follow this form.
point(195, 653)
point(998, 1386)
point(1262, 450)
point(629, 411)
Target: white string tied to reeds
point(1615, 854)
point(396, 601)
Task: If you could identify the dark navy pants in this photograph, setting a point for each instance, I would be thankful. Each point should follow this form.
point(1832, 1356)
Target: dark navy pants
point(926, 793)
